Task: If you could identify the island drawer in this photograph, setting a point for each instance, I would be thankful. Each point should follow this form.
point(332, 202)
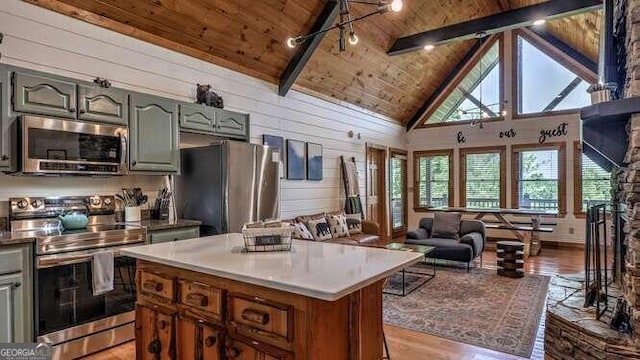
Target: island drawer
point(259, 318)
point(158, 285)
point(249, 350)
point(201, 296)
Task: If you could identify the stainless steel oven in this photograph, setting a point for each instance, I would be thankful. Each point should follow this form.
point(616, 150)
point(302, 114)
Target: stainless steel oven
point(67, 313)
point(70, 317)
point(69, 147)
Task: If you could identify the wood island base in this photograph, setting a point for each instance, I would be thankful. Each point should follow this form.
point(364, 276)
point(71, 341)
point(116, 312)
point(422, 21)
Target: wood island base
point(182, 314)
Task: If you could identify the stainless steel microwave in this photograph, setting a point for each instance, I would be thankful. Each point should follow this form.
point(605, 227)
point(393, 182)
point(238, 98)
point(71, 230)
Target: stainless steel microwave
point(69, 147)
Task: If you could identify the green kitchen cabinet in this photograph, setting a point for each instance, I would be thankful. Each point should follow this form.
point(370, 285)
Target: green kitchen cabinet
point(232, 124)
point(16, 294)
point(6, 153)
point(197, 118)
point(153, 134)
point(108, 105)
point(43, 94)
point(156, 237)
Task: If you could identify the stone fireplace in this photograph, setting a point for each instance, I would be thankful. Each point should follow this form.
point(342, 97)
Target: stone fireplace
point(631, 188)
point(571, 331)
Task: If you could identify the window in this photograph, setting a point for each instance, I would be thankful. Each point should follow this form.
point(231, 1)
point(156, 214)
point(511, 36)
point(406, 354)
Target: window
point(477, 95)
point(482, 177)
point(434, 184)
point(540, 177)
point(544, 83)
point(593, 183)
point(398, 188)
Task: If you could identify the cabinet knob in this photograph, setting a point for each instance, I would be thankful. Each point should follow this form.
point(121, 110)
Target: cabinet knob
point(82, 111)
point(134, 163)
point(234, 352)
point(5, 157)
point(209, 341)
point(154, 347)
point(162, 324)
point(72, 110)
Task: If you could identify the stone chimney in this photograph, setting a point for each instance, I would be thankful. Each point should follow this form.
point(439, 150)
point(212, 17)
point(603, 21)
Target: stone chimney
point(632, 186)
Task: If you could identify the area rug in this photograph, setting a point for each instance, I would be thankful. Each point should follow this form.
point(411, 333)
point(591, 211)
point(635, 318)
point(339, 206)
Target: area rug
point(478, 308)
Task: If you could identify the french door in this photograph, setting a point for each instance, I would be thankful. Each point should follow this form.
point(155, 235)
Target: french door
point(376, 185)
point(398, 191)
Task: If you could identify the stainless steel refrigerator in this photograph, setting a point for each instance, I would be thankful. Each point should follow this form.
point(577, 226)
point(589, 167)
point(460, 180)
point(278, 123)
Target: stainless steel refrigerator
point(228, 184)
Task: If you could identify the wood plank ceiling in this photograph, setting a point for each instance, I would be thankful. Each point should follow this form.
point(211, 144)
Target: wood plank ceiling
point(249, 36)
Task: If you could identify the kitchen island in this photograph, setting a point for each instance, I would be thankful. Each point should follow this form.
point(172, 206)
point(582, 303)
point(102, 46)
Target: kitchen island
point(206, 298)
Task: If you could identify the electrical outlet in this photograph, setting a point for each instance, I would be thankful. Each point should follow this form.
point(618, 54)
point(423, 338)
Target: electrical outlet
point(572, 230)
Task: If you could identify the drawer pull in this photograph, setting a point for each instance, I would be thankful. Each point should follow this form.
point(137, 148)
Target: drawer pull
point(209, 341)
point(153, 285)
point(255, 316)
point(197, 299)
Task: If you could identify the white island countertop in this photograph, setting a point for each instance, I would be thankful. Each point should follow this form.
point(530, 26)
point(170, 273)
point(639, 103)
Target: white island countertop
point(314, 269)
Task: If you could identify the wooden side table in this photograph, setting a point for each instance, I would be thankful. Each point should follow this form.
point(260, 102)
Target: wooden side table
point(510, 258)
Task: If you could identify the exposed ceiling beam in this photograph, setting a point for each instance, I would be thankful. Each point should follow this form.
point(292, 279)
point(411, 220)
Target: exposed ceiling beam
point(493, 24)
point(443, 85)
point(306, 49)
point(565, 49)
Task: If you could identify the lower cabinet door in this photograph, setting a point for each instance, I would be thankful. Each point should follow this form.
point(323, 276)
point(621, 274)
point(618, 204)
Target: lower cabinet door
point(11, 308)
point(253, 350)
point(197, 340)
point(156, 341)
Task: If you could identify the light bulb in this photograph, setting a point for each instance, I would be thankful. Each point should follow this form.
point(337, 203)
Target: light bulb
point(291, 42)
point(396, 5)
point(429, 47)
point(539, 22)
point(353, 39)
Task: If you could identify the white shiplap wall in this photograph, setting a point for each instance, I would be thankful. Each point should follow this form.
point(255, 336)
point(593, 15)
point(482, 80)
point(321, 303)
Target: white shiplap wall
point(43, 40)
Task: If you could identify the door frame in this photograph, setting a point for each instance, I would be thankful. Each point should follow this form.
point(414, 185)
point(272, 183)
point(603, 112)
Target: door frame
point(383, 185)
point(405, 200)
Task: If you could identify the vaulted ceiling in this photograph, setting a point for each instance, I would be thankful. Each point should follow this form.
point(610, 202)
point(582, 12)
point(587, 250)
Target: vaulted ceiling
point(249, 36)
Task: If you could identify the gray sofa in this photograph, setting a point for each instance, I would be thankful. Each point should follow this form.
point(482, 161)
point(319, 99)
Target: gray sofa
point(471, 244)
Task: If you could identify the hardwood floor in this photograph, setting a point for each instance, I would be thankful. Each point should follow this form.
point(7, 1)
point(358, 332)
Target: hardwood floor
point(410, 345)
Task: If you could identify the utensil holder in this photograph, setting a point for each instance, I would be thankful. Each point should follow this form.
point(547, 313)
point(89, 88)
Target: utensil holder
point(132, 214)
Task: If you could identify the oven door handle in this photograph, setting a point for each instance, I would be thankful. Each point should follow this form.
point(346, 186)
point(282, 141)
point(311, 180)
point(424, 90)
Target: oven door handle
point(52, 261)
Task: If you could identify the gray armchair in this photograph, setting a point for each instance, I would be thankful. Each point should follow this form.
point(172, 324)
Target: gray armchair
point(471, 244)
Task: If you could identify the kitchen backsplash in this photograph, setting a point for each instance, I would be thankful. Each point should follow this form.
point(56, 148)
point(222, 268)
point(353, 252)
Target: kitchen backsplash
point(15, 186)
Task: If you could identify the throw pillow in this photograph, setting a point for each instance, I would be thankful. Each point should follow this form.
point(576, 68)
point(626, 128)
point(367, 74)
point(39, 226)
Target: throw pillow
point(300, 231)
point(446, 225)
point(354, 223)
point(319, 229)
point(338, 225)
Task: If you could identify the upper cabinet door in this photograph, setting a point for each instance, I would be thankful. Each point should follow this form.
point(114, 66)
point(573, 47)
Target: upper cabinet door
point(104, 105)
point(153, 133)
point(232, 124)
point(39, 93)
point(5, 132)
point(197, 118)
